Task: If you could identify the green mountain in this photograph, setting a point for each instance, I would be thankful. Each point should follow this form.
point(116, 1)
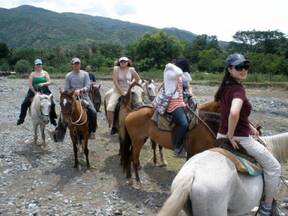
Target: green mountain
point(28, 26)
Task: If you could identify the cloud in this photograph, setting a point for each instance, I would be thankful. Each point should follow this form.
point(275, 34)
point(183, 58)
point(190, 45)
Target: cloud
point(123, 8)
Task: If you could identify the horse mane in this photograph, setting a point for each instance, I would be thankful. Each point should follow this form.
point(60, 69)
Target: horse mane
point(278, 144)
point(212, 119)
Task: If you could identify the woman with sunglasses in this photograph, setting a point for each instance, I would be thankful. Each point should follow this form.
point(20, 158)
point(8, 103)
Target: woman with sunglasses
point(123, 76)
point(39, 80)
point(234, 125)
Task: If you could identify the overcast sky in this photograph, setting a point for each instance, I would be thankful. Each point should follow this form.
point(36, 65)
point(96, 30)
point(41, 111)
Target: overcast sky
point(213, 17)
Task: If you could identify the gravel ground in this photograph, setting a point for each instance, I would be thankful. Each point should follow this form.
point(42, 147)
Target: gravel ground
point(37, 181)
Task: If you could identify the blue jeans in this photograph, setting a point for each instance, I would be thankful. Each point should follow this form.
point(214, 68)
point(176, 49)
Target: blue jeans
point(181, 121)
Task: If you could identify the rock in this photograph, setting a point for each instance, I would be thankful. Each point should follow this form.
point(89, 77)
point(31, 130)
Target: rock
point(118, 211)
point(140, 212)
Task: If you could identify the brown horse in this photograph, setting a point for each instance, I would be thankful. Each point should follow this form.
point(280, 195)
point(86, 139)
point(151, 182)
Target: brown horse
point(95, 96)
point(139, 127)
point(76, 117)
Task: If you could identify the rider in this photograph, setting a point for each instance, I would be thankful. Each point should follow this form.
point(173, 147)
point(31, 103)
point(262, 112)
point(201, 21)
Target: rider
point(79, 81)
point(39, 80)
point(235, 110)
point(122, 76)
point(92, 76)
point(173, 85)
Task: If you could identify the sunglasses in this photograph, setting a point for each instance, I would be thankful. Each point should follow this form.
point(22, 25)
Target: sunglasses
point(240, 67)
point(38, 64)
point(123, 61)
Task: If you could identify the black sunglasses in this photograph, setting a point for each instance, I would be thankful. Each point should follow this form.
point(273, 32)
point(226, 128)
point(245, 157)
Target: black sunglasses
point(123, 61)
point(242, 66)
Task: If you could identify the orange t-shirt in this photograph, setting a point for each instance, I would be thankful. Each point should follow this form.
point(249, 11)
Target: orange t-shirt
point(178, 101)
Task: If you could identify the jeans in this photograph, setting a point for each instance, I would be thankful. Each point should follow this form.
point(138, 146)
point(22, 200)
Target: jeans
point(181, 121)
point(92, 115)
point(271, 167)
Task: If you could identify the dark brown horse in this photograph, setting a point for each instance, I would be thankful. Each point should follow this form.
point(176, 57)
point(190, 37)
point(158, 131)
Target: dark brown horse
point(75, 115)
point(95, 96)
point(139, 127)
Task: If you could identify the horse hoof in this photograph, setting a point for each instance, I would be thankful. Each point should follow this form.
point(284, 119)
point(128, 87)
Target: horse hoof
point(138, 186)
point(129, 182)
point(163, 164)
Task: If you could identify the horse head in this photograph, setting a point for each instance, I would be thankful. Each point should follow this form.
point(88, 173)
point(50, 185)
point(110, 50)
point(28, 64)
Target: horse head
point(149, 88)
point(67, 100)
point(134, 96)
point(95, 96)
point(45, 106)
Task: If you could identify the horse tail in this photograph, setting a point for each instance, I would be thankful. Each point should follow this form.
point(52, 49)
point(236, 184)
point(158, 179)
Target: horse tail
point(180, 190)
point(126, 151)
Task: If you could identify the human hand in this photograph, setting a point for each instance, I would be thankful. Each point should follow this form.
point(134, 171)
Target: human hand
point(77, 92)
point(254, 131)
point(234, 142)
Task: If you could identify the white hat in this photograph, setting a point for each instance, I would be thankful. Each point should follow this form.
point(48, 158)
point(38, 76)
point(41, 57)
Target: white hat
point(75, 60)
point(38, 61)
point(123, 58)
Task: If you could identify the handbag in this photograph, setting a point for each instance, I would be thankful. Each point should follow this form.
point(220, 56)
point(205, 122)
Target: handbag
point(161, 101)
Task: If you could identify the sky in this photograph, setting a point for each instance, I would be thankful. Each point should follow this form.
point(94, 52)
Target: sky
point(222, 18)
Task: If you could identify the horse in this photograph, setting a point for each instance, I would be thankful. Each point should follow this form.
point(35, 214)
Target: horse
point(139, 126)
point(75, 115)
point(208, 184)
point(95, 96)
point(39, 112)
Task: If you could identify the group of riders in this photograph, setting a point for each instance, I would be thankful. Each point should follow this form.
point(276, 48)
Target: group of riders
point(235, 107)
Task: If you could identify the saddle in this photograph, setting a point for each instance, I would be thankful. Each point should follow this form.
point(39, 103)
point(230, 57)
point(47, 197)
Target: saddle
point(243, 162)
point(166, 123)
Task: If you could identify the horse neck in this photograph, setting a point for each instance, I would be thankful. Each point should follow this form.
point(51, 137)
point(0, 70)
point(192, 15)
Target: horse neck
point(76, 110)
point(278, 145)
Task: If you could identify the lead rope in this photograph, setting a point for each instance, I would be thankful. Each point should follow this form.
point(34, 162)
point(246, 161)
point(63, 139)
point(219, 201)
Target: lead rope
point(79, 119)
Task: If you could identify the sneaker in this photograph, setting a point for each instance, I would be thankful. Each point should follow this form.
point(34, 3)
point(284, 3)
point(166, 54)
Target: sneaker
point(265, 209)
point(113, 131)
point(92, 135)
point(20, 121)
point(53, 122)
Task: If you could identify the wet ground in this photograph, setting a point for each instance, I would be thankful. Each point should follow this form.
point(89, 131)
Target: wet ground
point(37, 181)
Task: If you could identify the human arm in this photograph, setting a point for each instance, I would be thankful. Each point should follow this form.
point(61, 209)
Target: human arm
point(135, 76)
point(30, 83)
point(48, 82)
point(115, 82)
point(233, 119)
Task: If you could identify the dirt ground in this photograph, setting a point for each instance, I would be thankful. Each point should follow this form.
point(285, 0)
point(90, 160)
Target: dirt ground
point(37, 181)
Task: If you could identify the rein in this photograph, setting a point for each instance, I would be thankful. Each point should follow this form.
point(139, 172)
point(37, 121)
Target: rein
point(204, 123)
point(79, 119)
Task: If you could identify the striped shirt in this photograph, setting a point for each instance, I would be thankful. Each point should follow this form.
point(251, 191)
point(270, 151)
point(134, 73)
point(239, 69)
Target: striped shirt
point(177, 99)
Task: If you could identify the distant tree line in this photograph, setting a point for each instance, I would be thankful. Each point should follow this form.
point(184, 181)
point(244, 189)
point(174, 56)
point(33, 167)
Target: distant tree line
point(267, 51)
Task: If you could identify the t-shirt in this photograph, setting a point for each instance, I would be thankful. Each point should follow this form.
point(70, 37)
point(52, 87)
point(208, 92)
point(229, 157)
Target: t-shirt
point(124, 79)
point(230, 92)
point(77, 80)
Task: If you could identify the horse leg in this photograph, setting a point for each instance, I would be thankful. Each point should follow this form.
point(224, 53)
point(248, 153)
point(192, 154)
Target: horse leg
point(42, 128)
point(163, 161)
point(86, 152)
point(136, 163)
point(74, 141)
point(35, 133)
point(154, 145)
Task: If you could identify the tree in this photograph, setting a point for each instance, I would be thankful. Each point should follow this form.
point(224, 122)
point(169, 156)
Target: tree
point(4, 51)
point(22, 66)
point(156, 49)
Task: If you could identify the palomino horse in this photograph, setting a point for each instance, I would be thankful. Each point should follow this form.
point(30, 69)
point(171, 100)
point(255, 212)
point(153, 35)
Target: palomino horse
point(39, 111)
point(76, 117)
point(95, 96)
point(208, 184)
point(139, 127)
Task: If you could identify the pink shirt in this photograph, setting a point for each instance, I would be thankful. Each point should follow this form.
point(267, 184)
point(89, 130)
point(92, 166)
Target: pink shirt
point(177, 99)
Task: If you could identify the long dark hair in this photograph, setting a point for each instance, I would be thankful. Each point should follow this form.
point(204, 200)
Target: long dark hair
point(227, 80)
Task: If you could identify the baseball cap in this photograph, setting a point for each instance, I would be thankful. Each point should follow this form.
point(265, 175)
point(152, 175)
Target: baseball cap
point(75, 60)
point(235, 59)
point(38, 61)
point(123, 58)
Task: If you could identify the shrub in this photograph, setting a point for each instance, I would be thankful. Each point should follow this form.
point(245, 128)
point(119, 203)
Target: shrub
point(22, 66)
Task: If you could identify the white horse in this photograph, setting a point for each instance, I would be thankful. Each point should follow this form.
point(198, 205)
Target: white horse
point(39, 112)
point(208, 184)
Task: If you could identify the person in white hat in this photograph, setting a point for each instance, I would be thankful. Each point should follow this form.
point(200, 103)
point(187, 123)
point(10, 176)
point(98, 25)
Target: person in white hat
point(123, 75)
point(39, 80)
